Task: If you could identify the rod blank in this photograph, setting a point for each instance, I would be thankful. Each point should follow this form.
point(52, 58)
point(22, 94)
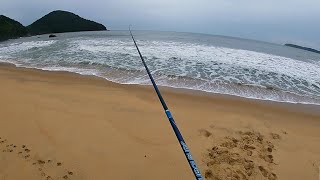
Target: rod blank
point(183, 145)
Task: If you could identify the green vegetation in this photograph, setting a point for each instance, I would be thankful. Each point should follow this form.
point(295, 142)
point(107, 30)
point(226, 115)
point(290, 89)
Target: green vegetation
point(63, 21)
point(303, 48)
point(10, 28)
point(54, 22)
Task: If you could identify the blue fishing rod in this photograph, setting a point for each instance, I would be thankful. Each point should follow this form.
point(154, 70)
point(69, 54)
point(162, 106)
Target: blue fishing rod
point(183, 145)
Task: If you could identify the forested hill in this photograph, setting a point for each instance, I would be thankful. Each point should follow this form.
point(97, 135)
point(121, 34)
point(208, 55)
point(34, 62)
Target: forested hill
point(63, 21)
point(10, 28)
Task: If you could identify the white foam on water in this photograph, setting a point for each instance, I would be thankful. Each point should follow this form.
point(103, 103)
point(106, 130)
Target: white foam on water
point(23, 46)
point(183, 65)
point(72, 69)
point(188, 55)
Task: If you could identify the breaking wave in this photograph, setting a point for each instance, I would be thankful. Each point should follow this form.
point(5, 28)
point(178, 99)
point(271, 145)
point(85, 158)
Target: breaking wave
point(179, 64)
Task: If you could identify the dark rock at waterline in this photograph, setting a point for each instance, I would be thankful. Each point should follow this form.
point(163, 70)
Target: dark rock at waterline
point(52, 36)
point(270, 88)
point(303, 48)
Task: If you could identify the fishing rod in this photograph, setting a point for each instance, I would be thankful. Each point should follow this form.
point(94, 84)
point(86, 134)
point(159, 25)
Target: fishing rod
point(183, 145)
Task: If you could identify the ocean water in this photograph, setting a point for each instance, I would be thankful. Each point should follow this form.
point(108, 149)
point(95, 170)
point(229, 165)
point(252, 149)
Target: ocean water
point(216, 64)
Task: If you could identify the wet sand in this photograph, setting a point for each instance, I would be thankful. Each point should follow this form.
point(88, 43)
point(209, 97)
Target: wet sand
point(60, 125)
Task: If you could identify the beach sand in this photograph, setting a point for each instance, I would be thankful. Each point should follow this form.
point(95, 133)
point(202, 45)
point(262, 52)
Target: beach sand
point(60, 125)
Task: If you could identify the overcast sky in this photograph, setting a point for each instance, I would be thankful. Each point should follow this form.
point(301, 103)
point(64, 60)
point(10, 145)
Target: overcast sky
point(279, 21)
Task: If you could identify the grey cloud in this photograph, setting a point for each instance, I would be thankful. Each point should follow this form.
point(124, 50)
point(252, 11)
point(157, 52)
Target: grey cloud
point(271, 20)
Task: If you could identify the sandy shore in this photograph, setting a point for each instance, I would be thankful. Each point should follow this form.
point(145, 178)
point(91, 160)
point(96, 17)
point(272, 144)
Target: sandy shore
point(59, 125)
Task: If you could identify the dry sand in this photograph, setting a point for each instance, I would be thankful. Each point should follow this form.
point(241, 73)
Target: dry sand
point(59, 125)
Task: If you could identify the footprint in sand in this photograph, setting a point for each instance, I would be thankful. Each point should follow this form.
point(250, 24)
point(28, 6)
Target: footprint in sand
point(43, 166)
point(247, 155)
point(27, 150)
point(205, 133)
point(275, 136)
point(267, 174)
point(41, 162)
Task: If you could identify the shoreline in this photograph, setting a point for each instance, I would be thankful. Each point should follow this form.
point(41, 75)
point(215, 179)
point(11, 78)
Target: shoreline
point(311, 108)
point(85, 127)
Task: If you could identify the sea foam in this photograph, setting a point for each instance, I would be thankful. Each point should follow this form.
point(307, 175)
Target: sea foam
point(191, 65)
